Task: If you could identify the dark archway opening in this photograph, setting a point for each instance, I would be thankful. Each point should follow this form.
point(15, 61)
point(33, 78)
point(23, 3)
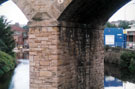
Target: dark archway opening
point(91, 12)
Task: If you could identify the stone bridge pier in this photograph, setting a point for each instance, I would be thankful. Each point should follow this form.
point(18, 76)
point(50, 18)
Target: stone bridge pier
point(66, 41)
point(66, 56)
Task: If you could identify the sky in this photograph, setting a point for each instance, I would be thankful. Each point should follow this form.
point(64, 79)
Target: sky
point(127, 12)
point(14, 14)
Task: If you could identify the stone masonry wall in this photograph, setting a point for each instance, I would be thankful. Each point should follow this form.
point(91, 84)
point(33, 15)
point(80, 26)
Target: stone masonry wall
point(97, 60)
point(67, 63)
point(66, 57)
point(43, 43)
point(81, 57)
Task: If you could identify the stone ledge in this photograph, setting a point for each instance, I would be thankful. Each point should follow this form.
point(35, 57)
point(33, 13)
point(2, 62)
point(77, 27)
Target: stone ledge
point(44, 23)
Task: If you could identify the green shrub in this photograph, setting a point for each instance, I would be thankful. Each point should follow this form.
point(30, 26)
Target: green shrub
point(1, 72)
point(7, 62)
point(132, 66)
point(128, 61)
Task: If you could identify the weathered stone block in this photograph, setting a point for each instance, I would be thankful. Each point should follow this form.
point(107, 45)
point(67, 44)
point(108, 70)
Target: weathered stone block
point(32, 36)
point(45, 74)
point(44, 63)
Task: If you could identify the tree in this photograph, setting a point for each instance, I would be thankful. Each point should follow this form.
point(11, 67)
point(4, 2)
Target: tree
point(110, 25)
point(124, 24)
point(121, 24)
point(7, 43)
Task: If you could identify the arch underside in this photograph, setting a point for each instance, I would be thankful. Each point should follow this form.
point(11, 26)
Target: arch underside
point(86, 11)
point(91, 11)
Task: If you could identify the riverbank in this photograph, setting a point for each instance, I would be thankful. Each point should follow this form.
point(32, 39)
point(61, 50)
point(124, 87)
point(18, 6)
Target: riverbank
point(117, 72)
point(124, 58)
point(7, 63)
point(5, 80)
point(112, 55)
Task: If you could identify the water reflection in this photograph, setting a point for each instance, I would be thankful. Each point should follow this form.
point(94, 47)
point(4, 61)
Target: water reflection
point(114, 83)
point(111, 81)
point(120, 80)
point(20, 79)
point(24, 55)
point(5, 80)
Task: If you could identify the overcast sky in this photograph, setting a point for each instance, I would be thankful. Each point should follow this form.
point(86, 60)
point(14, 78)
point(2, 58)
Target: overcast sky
point(127, 12)
point(14, 14)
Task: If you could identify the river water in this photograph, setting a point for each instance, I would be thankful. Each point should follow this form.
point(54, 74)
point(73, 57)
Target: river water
point(20, 79)
point(114, 83)
point(116, 79)
point(17, 79)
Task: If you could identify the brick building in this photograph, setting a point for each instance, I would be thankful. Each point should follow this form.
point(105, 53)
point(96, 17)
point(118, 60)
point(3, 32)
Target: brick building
point(131, 37)
point(20, 36)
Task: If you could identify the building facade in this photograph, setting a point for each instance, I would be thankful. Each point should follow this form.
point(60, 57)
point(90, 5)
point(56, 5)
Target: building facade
point(131, 37)
point(115, 37)
point(20, 35)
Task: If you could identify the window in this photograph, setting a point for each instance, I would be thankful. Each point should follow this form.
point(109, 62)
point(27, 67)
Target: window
point(130, 38)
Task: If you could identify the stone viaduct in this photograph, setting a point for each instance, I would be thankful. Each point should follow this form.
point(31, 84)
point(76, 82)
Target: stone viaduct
point(66, 42)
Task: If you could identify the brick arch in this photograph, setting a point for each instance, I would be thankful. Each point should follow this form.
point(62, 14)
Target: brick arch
point(87, 11)
point(70, 10)
point(26, 7)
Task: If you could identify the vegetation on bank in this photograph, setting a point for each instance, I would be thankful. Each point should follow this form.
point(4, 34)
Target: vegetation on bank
point(123, 57)
point(112, 54)
point(128, 61)
point(7, 44)
point(123, 62)
point(7, 63)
